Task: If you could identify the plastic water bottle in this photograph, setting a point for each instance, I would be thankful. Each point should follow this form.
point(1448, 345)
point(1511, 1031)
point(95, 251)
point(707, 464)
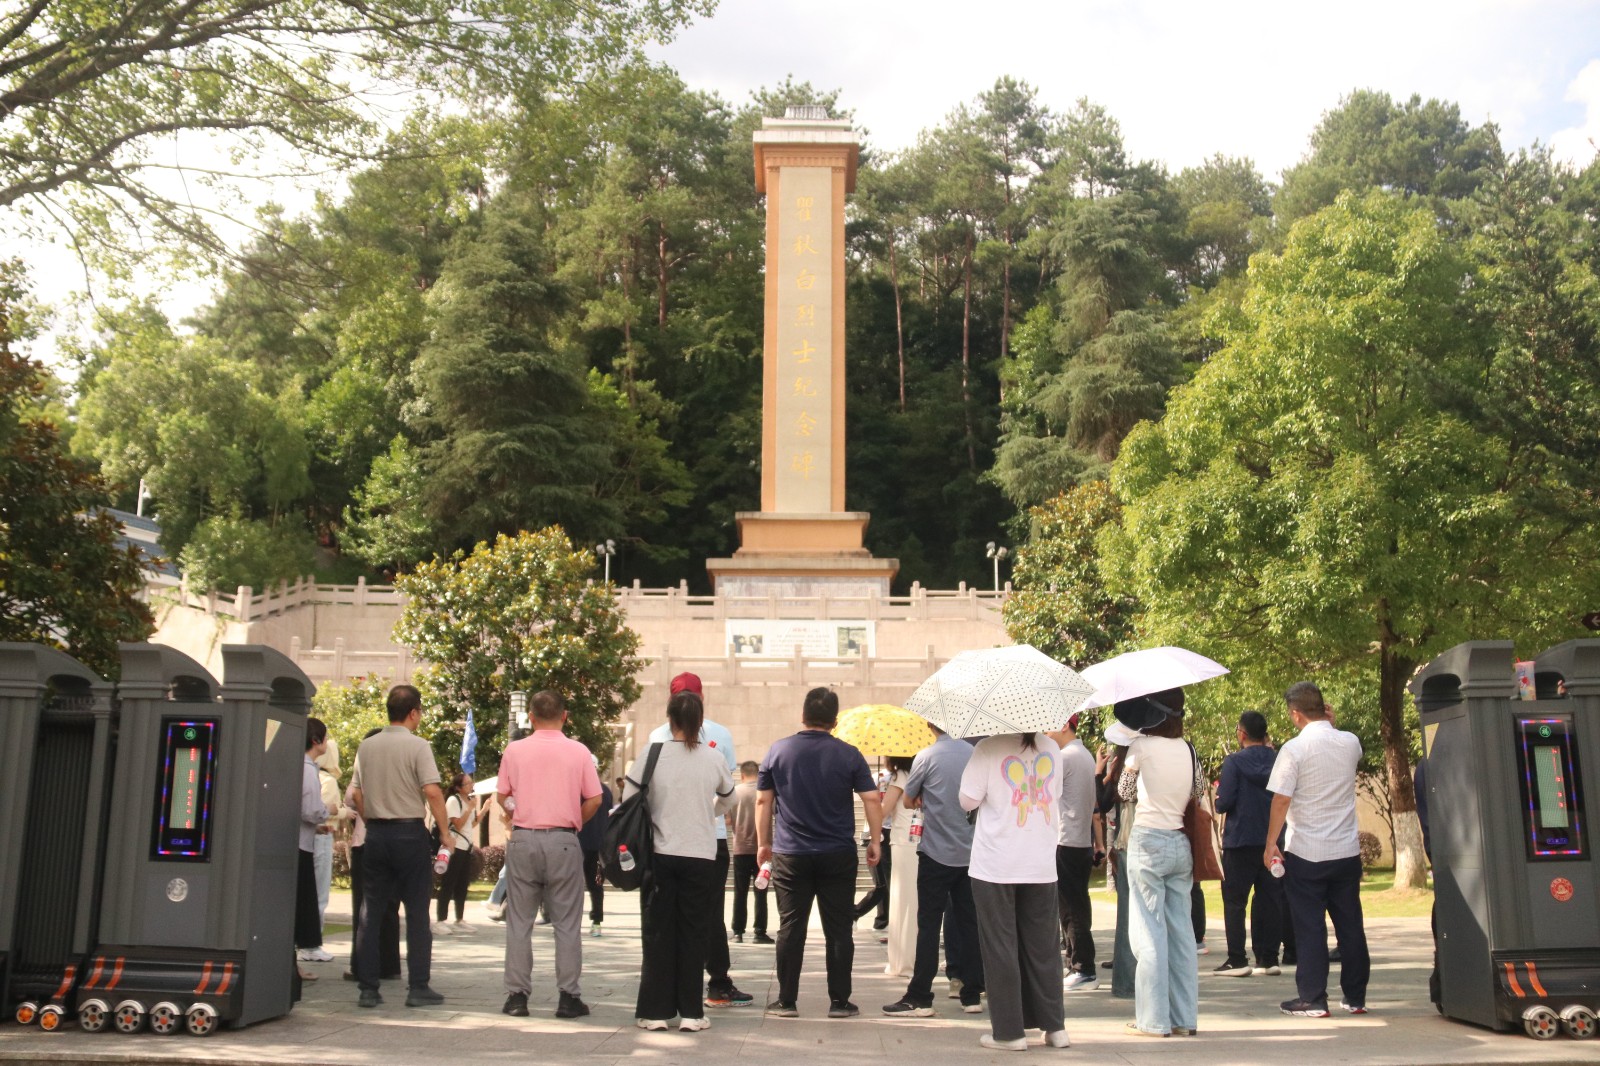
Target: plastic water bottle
point(764, 877)
point(915, 832)
point(1276, 866)
point(441, 861)
point(624, 858)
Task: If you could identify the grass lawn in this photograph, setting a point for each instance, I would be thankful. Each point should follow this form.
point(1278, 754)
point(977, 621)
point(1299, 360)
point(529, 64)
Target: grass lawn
point(1378, 898)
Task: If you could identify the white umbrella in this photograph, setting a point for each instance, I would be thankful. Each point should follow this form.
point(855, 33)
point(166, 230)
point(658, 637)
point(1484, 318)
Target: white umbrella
point(1148, 670)
point(1016, 689)
point(486, 786)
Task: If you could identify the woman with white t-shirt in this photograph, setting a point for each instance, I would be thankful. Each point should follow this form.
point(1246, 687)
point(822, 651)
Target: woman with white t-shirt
point(462, 812)
point(1011, 781)
point(1162, 773)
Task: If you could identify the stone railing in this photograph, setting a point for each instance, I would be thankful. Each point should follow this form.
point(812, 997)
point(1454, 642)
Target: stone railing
point(339, 664)
point(794, 671)
point(920, 604)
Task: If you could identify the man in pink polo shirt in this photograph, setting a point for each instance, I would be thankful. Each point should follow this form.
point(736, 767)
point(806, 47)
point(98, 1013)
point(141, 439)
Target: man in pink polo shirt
point(548, 783)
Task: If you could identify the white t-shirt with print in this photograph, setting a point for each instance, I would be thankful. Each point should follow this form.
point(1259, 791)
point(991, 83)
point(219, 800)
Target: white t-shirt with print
point(1014, 792)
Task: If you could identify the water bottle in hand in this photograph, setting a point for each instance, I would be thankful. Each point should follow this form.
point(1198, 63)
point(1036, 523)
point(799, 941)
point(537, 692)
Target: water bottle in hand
point(764, 877)
point(1276, 866)
point(441, 861)
point(625, 858)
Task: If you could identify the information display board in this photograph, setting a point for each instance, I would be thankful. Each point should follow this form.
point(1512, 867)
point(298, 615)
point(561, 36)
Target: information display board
point(1552, 800)
point(184, 802)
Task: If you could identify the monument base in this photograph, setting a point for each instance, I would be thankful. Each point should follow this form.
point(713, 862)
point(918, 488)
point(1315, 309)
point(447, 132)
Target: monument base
point(802, 555)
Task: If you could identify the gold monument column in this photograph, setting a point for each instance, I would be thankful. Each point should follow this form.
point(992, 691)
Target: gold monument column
point(803, 541)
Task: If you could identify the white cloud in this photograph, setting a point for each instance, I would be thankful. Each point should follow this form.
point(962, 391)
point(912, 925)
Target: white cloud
point(1579, 144)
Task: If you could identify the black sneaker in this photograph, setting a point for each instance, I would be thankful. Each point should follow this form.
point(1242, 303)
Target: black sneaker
point(1301, 1008)
point(369, 998)
point(1234, 969)
point(729, 996)
point(737, 938)
point(779, 1009)
point(516, 1005)
point(571, 1006)
point(843, 1009)
point(906, 1009)
point(423, 996)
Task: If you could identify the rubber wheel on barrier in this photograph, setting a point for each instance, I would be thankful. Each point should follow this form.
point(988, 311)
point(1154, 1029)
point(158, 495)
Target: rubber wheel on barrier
point(164, 1019)
point(1579, 1023)
point(92, 1017)
point(50, 1018)
point(202, 1020)
point(27, 1012)
point(1541, 1023)
point(128, 1019)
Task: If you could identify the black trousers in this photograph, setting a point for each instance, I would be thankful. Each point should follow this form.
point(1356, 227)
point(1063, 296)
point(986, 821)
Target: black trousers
point(1077, 914)
point(1242, 875)
point(1197, 911)
point(399, 868)
point(677, 923)
point(1332, 888)
point(744, 878)
point(596, 886)
point(829, 881)
point(388, 932)
point(944, 898)
point(717, 935)
point(307, 919)
point(880, 879)
point(454, 884)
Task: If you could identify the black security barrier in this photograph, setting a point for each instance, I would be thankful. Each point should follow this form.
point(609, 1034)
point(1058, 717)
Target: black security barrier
point(199, 881)
point(57, 736)
point(1511, 812)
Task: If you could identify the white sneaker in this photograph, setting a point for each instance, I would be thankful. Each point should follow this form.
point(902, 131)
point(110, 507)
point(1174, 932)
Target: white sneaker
point(987, 1040)
point(1200, 948)
point(1267, 971)
point(1080, 982)
point(442, 929)
point(658, 1025)
point(459, 926)
point(314, 955)
point(693, 1025)
point(1058, 1038)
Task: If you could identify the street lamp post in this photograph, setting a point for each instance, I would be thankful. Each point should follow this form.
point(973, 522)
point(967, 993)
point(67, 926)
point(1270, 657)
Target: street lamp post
point(996, 553)
point(519, 712)
point(606, 551)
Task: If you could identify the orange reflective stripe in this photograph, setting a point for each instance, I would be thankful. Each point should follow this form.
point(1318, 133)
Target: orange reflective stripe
point(1516, 986)
point(205, 979)
point(66, 982)
point(99, 968)
point(227, 979)
point(116, 974)
point(1533, 979)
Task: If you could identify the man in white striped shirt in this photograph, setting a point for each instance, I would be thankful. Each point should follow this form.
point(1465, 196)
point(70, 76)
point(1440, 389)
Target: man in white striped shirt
point(1313, 786)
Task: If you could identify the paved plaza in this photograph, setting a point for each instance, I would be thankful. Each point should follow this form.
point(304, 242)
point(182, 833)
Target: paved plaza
point(1239, 1017)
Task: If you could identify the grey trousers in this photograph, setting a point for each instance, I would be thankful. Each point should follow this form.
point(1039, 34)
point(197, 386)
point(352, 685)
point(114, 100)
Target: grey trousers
point(1019, 934)
point(544, 869)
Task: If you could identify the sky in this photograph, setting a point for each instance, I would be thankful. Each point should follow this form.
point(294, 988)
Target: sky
point(1238, 77)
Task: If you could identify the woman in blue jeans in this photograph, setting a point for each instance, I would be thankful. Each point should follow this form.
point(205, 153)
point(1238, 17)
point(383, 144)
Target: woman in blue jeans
point(1163, 774)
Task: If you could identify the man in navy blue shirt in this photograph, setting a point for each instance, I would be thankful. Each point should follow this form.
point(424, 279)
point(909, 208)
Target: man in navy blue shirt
point(1242, 795)
point(806, 827)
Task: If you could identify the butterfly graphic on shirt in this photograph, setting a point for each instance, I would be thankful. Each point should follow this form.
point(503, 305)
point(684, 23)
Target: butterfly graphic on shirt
point(1030, 785)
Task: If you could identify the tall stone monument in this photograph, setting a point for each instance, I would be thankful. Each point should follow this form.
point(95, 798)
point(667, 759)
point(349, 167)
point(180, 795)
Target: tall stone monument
point(803, 541)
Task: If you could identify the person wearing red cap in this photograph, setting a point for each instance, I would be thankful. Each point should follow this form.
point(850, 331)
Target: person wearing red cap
point(720, 990)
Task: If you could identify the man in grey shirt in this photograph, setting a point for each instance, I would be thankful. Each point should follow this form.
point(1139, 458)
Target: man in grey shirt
point(943, 856)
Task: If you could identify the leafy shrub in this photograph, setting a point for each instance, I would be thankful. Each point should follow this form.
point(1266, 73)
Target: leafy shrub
point(1371, 849)
point(230, 550)
point(494, 857)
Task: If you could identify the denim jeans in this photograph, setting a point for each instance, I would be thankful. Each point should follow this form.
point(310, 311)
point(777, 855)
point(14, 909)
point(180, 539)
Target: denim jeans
point(1124, 968)
point(1167, 984)
point(322, 858)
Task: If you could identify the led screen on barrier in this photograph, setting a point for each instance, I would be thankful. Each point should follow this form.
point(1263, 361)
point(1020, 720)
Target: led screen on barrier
point(185, 799)
point(1552, 795)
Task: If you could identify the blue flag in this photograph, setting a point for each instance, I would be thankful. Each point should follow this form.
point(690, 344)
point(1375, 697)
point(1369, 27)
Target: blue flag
point(469, 747)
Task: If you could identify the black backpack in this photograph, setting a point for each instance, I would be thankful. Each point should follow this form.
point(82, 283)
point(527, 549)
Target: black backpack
point(630, 828)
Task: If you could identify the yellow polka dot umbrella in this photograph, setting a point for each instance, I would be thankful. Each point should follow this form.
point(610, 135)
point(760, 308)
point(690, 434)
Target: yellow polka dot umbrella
point(883, 729)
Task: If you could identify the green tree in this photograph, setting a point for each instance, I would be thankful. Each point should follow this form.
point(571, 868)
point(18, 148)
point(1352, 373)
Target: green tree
point(66, 579)
point(229, 550)
point(90, 91)
point(1327, 495)
point(1060, 604)
point(519, 615)
point(350, 711)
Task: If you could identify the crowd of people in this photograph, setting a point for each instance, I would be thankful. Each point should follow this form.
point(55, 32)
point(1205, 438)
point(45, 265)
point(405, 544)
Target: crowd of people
point(994, 846)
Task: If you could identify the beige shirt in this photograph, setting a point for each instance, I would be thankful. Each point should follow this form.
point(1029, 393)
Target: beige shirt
point(391, 770)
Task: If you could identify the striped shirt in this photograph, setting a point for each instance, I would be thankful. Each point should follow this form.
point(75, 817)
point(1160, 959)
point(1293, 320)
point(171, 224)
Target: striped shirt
point(1317, 770)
